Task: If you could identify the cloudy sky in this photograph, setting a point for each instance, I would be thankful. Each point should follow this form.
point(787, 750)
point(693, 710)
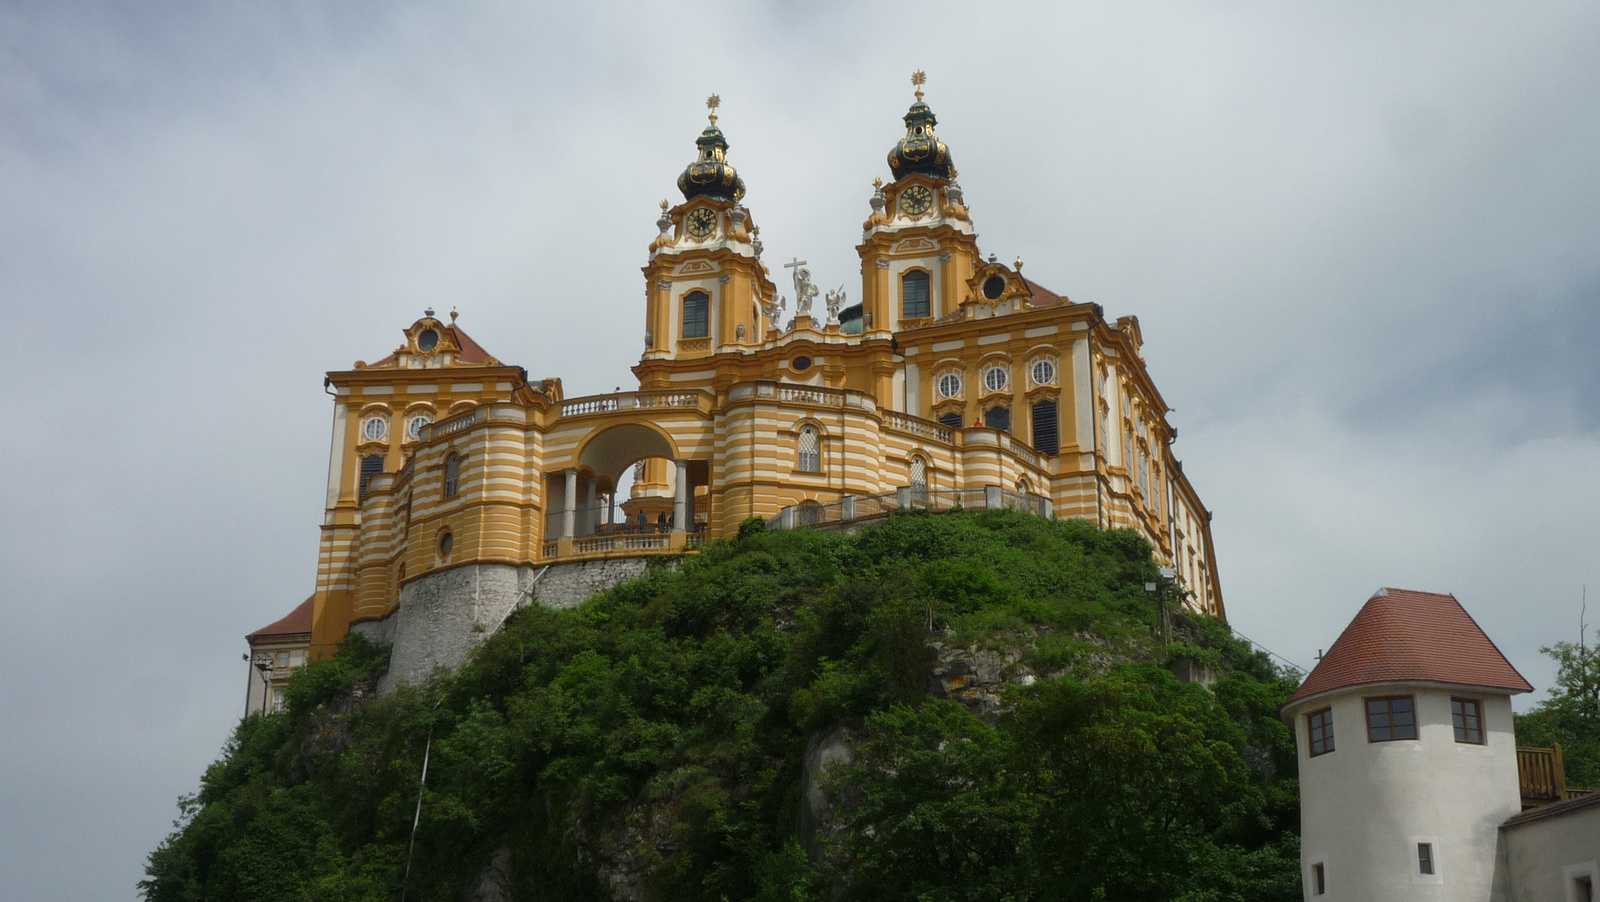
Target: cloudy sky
point(1361, 240)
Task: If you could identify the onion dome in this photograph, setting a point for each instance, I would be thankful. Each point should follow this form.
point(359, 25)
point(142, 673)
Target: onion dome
point(919, 150)
point(710, 175)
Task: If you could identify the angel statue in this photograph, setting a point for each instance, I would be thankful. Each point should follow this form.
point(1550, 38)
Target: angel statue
point(835, 300)
point(773, 310)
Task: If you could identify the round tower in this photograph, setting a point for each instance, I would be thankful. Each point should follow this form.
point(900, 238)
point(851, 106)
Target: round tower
point(1408, 763)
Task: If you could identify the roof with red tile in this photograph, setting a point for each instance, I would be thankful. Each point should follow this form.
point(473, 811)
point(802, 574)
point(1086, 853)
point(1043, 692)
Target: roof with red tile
point(471, 351)
point(1404, 636)
point(298, 621)
point(1042, 296)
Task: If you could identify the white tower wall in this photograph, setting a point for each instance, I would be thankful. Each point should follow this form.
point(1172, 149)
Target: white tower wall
point(1365, 806)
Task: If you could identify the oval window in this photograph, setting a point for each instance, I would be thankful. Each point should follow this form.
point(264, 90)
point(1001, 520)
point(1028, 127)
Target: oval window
point(994, 378)
point(1044, 372)
point(414, 427)
point(374, 429)
point(993, 287)
point(801, 364)
point(428, 340)
point(446, 542)
point(950, 385)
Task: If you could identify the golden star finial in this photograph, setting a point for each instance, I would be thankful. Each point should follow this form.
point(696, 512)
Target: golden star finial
point(663, 206)
point(712, 103)
point(919, 78)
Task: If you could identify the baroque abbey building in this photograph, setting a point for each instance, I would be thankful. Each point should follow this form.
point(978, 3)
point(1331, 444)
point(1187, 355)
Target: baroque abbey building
point(455, 483)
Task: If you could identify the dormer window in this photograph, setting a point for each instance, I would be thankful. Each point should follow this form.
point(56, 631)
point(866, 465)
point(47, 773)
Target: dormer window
point(696, 315)
point(993, 287)
point(428, 340)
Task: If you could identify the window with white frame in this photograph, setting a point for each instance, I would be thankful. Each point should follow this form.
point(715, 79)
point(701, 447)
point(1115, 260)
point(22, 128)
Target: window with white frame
point(810, 450)
point(415, 424)
point(375, 429)
point(995, 378)
point(1043, 371)
point(950, 385)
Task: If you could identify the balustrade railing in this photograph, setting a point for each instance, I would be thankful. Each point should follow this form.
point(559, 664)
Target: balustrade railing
point(917, 426)
point(452, 425)
point(630, 400)
point(807, 394)
point(856, 508)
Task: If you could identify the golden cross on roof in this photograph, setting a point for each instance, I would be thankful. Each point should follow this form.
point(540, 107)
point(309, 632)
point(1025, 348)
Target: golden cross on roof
point(712, 103)
point(919, 78)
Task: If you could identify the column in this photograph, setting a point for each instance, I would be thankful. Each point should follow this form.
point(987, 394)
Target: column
point(680, 501)
point(569, 504)
point(589, 518)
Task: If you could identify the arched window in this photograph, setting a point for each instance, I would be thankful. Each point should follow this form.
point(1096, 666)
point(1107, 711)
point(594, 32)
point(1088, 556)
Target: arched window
point(914, 295)
point(809, 513)
point(919, 481)
point(371, 465)
point(1046, 432)
point(998, 418)
point(696, 315)
point(810, 447)
point(452, 474)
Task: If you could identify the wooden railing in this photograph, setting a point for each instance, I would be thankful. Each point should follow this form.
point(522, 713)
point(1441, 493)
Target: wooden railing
point(1543, 778)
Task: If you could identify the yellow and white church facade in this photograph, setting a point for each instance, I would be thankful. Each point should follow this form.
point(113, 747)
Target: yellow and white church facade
point(454, 480)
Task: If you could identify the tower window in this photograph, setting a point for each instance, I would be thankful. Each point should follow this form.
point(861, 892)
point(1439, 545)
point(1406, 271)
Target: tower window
point(371, 465)
point(452, 474)
point(1319, 727)
point(446, 543)
point(1046, 434)
point(914, 295)
point(1467, 716)
point(998, 418)
point(810, 446)
point(1583, 888)
point(1390, 719)
point(696, 315)
point(1319, 880)
point(1425, 858)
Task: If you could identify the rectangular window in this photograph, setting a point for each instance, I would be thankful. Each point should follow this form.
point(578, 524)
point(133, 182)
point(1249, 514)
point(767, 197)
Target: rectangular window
point(1583, 889)
point(914, 295)
point(1319, 880)
point(696, 315)
point(1319, 724)
point(1389, 719)
point(1467, 716)
point(1425, 857)
point(281, 661)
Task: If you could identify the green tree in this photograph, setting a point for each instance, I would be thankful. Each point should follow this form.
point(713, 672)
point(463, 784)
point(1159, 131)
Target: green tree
point(1571, 715)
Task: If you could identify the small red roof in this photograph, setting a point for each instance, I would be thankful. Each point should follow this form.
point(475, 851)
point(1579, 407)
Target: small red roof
point(471, 351)
point(1401, 635)
point(1042, 296)
point(298, 621)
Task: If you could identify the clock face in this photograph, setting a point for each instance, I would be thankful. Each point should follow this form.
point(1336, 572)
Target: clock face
point(702, 223)
point(916, 200)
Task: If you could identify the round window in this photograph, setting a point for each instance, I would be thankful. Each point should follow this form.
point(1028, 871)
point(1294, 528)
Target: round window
point(1044, 372)
point(375, 429)
point(950, 385)
point(428, 340)
point(993, 287)
point(446, 542)
point(994, 378)
point(414, 426)
point(801, 364)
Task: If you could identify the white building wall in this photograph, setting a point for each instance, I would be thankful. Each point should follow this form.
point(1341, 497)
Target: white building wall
point(1551, 855)
point(1365, 806)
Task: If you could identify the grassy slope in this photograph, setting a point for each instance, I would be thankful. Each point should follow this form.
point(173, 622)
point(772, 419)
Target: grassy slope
point(676, 709)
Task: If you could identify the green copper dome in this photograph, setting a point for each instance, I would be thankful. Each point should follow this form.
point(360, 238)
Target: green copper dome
point(711, 175)
point(920, 151)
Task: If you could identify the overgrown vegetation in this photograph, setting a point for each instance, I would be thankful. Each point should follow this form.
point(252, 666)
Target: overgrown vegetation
point(658, 734)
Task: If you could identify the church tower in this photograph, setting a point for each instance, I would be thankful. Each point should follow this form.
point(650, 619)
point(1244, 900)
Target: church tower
point(918, 248)
point(705, 284)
